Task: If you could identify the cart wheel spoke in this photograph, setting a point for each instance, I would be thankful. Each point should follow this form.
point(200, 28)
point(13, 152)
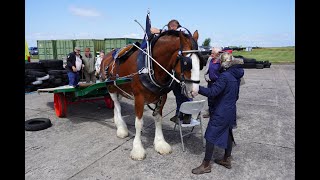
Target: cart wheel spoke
point(109, 102)
point(60, 104)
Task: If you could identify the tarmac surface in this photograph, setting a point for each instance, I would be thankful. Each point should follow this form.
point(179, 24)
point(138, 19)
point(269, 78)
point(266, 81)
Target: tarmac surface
point(84, 145)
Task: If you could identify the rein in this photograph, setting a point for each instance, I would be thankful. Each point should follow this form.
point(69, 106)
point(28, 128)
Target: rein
point(177, 80)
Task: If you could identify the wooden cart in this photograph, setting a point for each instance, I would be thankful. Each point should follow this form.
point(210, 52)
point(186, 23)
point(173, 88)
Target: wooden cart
point(65, 95)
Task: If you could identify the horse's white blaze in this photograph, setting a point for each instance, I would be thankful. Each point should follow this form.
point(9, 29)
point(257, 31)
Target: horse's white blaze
point(160, 144)
point(122, 130)
point(138, 152)
point(195, 72)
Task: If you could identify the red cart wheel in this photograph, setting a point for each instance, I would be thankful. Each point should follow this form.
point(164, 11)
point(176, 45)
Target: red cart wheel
point(60, 104)
point(109, 102)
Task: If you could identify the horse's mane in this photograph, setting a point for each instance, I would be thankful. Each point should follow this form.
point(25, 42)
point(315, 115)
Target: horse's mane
point(167, 33)
point(172, 33)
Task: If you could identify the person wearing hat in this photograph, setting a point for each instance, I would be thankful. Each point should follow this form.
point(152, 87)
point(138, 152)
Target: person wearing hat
point(225, 92)
point(74, 66)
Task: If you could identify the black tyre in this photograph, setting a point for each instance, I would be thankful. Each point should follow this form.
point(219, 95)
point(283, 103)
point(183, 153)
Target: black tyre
point(57, 82)
point(29, 88)
point(65, 76)
point(259, 66)
point(39, 70)
point(266, 64)
point(55, 73)
point(247, 60)
point(30, 77)
point(54, 68)
point(249, 65)
point(36, 73)
point(33, 65)
point(51, 78)
point(51, 63)
point(37, 124)
point(64, 71)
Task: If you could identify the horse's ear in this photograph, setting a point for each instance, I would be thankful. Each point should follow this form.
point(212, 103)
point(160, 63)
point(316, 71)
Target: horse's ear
point(196, 35)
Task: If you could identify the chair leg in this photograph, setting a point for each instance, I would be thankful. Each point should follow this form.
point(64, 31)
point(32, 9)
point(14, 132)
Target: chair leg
point(181, 136)
point(191, 132)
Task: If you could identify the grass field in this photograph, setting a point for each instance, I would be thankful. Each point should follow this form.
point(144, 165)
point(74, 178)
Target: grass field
point(273, 55)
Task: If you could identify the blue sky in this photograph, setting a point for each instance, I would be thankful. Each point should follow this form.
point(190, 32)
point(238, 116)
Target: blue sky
point(265, 23)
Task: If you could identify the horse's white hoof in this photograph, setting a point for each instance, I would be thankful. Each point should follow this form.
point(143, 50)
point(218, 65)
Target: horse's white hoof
point(162, 147)
point(122, 133)
point(138, 154)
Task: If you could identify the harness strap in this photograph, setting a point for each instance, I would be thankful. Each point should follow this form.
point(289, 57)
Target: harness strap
point(130, 96)
point(158, 64)
point(157, 105)
point(153, 109)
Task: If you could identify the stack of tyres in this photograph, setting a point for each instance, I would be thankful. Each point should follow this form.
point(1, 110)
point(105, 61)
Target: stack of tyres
point(248, 62)
point(253, 63)
point(34, 76)
point(266, 64)
point(44, 74)
point(259, 64)
point(57, 74)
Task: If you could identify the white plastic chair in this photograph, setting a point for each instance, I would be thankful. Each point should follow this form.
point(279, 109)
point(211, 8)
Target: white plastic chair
point(193, 108)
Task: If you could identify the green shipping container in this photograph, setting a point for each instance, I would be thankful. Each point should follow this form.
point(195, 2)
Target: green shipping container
point(64, 47)
point(95, 45)
point(113, 43)
point(47, 49)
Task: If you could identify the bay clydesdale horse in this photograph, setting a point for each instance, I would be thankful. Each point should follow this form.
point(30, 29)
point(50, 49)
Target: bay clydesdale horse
point(173, 51)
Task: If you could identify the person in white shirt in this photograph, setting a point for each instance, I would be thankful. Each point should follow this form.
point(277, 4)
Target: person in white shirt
point(98, 63)
point(74, 65)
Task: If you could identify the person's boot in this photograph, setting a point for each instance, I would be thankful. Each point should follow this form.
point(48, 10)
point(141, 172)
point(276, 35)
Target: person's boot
point(225, 161)
point(205, 167)
point(175, 119)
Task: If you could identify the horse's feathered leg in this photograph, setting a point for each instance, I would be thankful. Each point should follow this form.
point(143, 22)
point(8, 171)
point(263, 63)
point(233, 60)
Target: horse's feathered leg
point(138, 152)
point(122, 130)
point(160, 144)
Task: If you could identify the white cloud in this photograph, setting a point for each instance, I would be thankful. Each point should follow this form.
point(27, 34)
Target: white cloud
point(84, 12)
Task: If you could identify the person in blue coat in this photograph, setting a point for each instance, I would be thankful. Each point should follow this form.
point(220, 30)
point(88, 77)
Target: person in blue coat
point(212, 73)
point(225, 92)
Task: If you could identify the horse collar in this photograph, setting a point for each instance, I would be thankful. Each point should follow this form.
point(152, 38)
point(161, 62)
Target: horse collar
point(147, 78)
